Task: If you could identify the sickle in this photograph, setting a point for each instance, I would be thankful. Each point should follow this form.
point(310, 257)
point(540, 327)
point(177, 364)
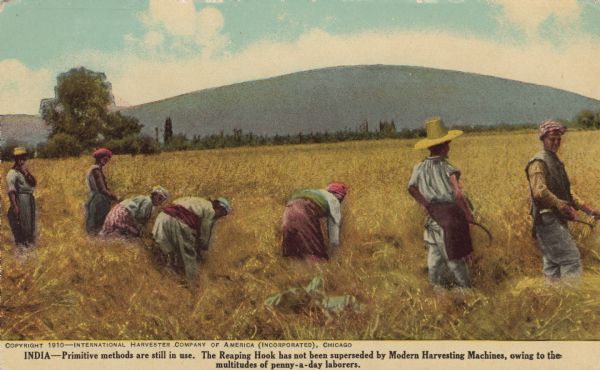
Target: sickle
point(489, 234)
point(591, 225)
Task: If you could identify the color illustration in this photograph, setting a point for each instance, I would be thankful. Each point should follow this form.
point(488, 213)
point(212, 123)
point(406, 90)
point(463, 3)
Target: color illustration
point(294, 170)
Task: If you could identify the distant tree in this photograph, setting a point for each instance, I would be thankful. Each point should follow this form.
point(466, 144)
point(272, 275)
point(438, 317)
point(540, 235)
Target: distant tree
point(168, 134)
point(237, 134)
point(59, 146)
point(6, 150)
point(178, 142)
point(585, 119)
point(387, 129)
point(138, 144)
point(80, 109)
point(118, 126)
point(364, 127)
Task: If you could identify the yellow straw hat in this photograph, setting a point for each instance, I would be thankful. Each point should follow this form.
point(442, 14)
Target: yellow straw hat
point(437, 133)
point(19, 151)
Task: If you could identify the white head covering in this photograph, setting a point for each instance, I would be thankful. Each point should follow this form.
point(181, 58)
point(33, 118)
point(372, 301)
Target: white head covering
point(161, 191)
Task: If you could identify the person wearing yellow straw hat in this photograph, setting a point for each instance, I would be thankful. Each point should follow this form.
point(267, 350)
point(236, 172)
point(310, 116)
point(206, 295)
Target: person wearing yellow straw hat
point(128, 217)
point(21, 214)
point(434, 184)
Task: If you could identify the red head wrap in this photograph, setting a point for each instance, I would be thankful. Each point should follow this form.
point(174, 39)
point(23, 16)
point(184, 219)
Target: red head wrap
point(338, 188)
point(102, 152)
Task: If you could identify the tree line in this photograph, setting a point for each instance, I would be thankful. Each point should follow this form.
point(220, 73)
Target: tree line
point(82, 117)
point(588, 119)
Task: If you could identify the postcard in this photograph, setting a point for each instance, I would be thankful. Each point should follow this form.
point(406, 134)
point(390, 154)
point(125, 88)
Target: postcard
point(290, 184)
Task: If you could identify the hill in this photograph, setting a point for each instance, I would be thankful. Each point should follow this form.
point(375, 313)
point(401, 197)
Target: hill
point(23, 129)
point(340, 98)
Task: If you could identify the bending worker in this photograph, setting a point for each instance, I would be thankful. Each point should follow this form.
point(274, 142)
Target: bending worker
point(130, 216)
point(302, 235)
point(184, 227)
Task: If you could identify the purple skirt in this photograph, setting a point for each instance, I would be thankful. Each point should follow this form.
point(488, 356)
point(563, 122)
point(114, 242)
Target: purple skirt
point(302, 234)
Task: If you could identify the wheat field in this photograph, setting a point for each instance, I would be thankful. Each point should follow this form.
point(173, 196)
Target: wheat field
point(77, 287)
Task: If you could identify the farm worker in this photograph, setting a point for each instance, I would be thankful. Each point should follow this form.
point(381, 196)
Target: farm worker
point(553, 203)
point(435, 185)
point(100, 198)
point(184, 227)
point(302, 235)
point(129, 217)
point(21, 213)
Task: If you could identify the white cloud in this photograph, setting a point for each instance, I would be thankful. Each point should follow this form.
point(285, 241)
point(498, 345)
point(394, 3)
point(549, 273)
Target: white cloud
point(209, 24)
point(139, 79)
point(143, 77)
point(178, 18)
point(176, 24)
point(22, 88)
point(153, 39)
point(530, 14)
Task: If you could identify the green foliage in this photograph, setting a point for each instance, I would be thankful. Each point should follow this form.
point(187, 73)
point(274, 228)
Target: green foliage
point(118, 126)
point(168, 134)
point(387, 128)
point(6, 151)
point(60, 145)
point(141, 144)
point(502, 127)
point(80, 109)
point(147, 145)
point(237, 138)
point(387, 131)
point(588, 119)
point(80, 105)
point(178, 142)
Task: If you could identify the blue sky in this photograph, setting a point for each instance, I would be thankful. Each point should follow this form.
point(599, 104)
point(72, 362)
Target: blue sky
point(51, 28)
point(153, 49)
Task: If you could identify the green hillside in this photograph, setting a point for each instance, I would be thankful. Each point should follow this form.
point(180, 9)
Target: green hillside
point(340, 98)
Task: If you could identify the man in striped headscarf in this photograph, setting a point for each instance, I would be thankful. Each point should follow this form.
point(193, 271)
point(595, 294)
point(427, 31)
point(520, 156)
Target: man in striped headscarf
point(302, 235)
point(553, 203)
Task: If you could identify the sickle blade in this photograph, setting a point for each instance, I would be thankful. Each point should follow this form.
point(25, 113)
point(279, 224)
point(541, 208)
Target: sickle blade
point(489, 234)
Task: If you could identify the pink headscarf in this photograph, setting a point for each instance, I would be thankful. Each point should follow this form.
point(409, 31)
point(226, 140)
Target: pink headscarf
point(339, 189)
point(102, 152)
point(549, 126)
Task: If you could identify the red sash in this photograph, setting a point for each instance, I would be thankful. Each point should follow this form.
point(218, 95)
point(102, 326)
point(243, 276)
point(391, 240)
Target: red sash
point(183, 214)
